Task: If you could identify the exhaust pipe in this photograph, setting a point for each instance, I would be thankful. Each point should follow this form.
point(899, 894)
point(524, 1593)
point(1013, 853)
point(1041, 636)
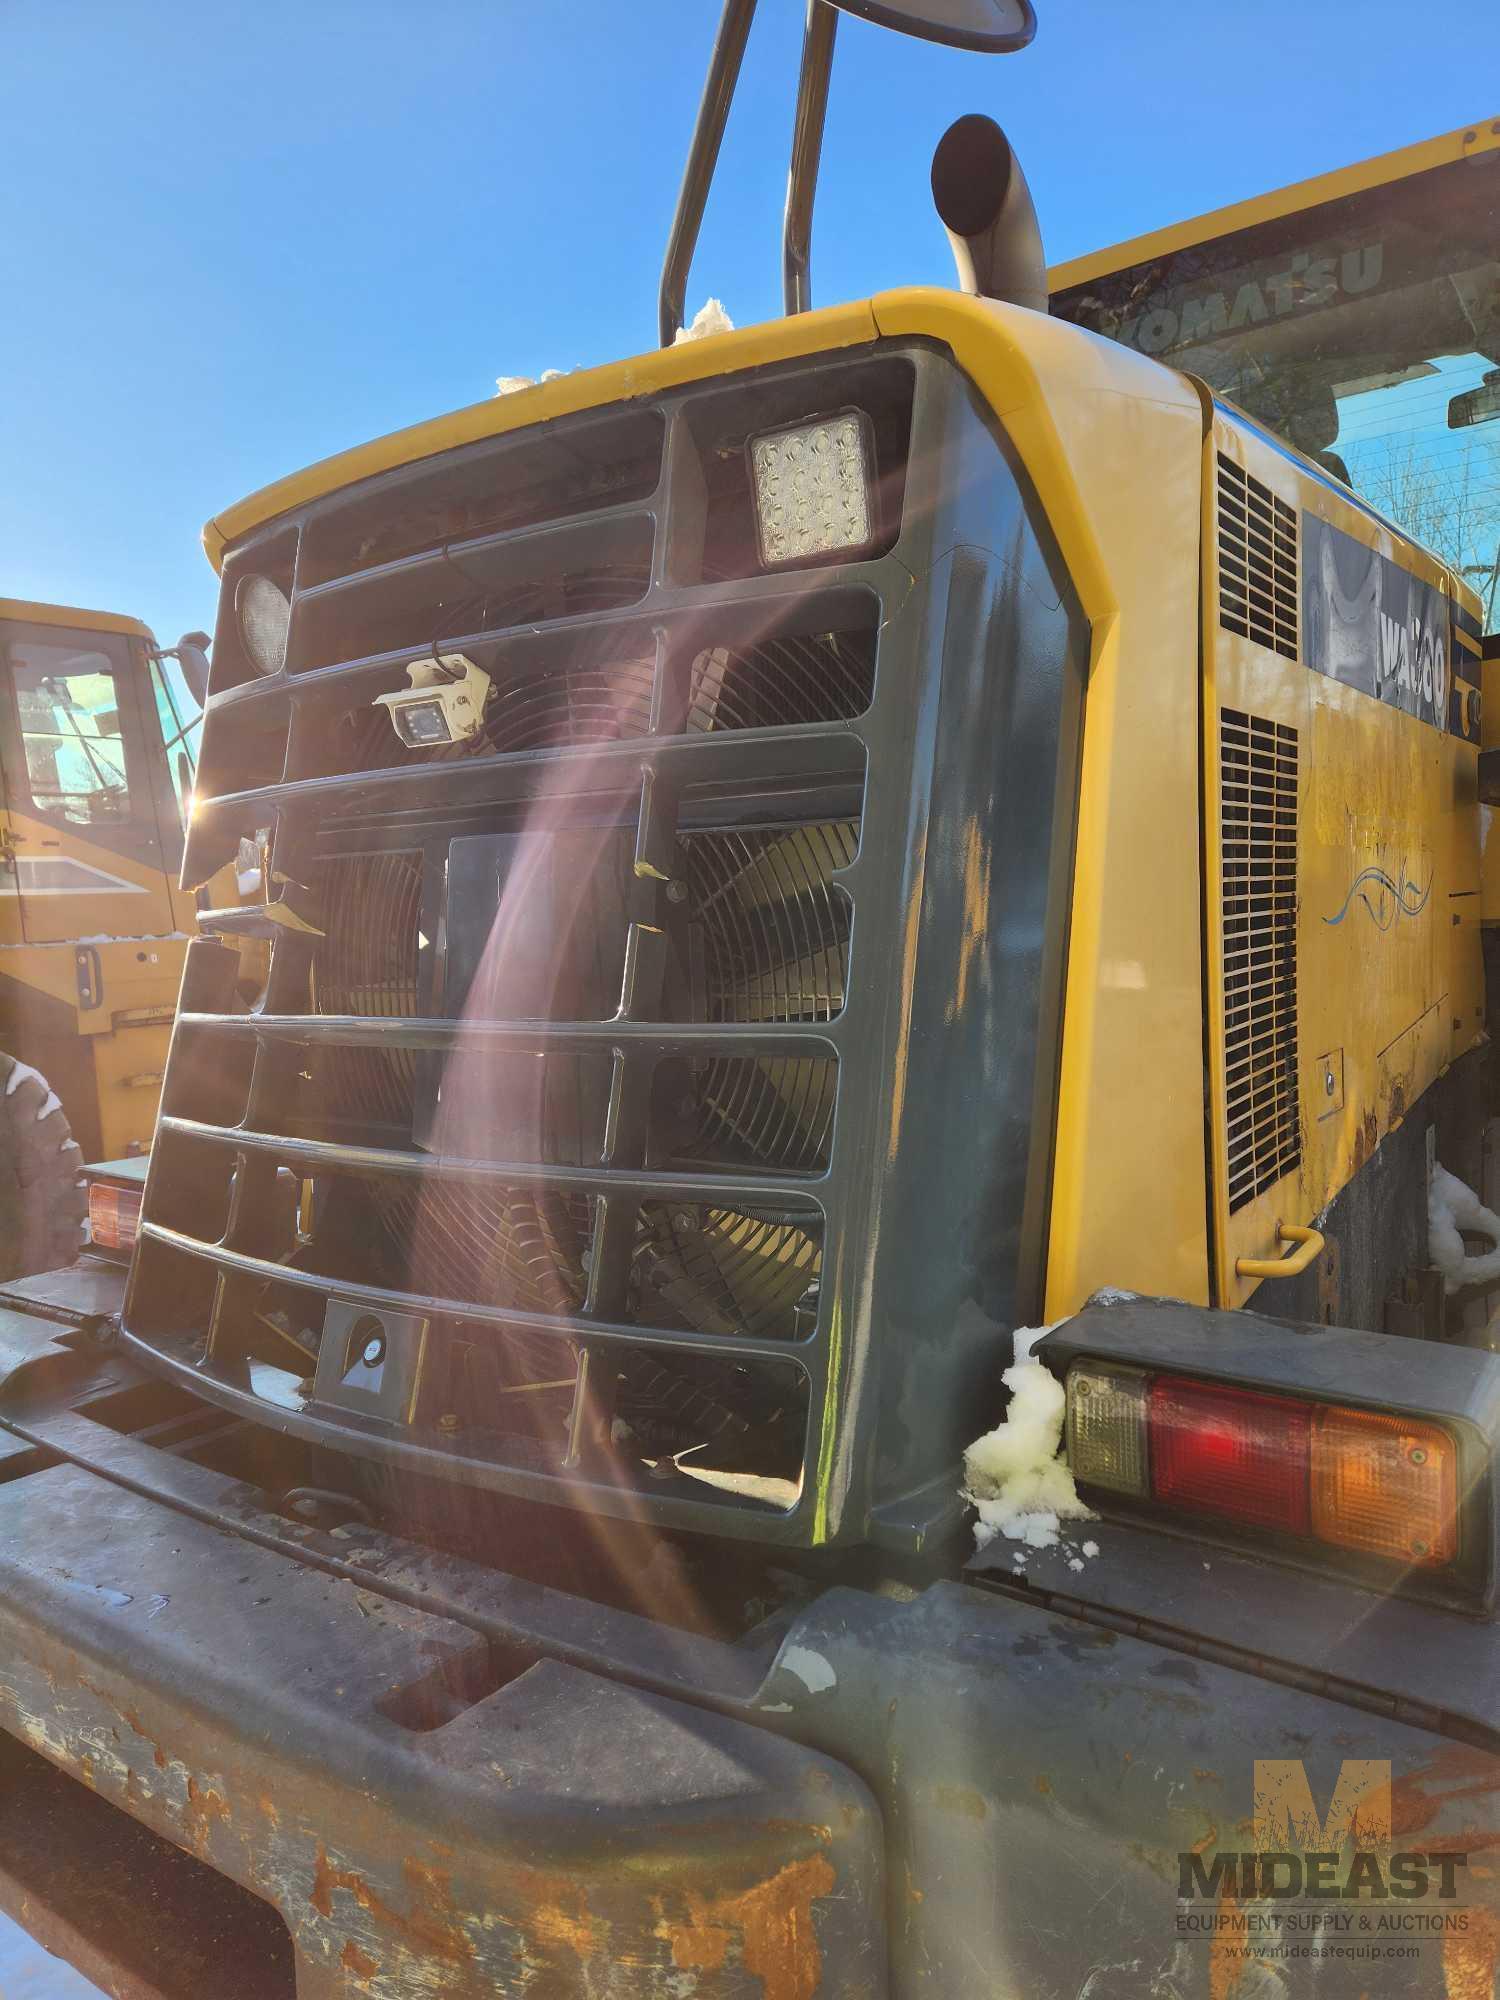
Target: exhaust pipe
point(983, 202)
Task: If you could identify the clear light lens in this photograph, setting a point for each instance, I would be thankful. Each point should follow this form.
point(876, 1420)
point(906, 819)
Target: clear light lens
point(114, 1216)
point(812, 488)
point(1107, 1427)
point(1388, 1485)
point(264, 616)
point(419, 723)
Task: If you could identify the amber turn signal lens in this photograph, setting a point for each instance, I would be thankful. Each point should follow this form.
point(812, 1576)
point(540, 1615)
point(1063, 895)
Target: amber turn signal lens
point(114, 1216)
point(1387, 1485)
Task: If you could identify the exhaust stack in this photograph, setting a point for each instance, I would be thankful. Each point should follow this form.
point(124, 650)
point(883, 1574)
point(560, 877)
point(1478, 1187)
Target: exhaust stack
point(983, 202)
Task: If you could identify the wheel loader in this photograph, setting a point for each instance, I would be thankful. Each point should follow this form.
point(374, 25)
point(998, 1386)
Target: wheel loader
point(863, 914)
point(98, 737)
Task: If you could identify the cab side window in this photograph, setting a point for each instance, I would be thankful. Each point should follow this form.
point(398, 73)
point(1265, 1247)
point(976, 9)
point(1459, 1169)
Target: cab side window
point(72, 735)
point(181, 723)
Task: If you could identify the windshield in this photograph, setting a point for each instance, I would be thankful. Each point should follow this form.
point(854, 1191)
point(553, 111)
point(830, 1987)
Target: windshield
point(71, 732)
point(1365, 331)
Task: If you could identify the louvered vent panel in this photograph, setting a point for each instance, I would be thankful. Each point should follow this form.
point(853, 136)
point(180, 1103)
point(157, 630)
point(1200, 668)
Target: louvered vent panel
point(1257, 561)
point(1258, 814)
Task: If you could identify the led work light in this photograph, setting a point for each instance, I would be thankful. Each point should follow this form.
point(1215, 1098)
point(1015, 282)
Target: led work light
point(813, 486)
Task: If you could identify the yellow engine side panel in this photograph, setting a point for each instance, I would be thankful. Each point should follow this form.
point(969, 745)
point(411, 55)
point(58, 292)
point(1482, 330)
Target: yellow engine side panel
point(1113, 443)
point(1388, 973)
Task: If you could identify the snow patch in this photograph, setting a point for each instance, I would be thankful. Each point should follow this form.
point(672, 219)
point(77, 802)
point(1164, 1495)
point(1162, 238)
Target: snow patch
point(510, 385)
point(51, 1101)
point(1013, 1475)
point(1451, 1208)
point(709, 318)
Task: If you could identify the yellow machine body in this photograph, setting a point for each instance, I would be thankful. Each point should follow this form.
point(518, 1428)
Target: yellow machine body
point(1377, 982)
point(1122, 454)
point(93, 927)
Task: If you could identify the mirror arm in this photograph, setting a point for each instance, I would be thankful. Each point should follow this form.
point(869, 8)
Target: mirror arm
point(713, 111)
point(807, 149)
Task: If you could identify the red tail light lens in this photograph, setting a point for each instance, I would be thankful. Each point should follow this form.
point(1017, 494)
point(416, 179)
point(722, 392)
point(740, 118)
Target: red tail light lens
point(1231, 1452)
point(114, 1216)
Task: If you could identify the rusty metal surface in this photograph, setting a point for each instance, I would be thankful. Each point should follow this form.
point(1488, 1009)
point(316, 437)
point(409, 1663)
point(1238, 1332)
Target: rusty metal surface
point(133, 1913)
point(1042, 1777)
point(560, 1834)
point(1003, 1795)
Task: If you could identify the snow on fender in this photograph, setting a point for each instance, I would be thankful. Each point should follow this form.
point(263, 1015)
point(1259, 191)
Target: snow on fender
point(1015, 1475)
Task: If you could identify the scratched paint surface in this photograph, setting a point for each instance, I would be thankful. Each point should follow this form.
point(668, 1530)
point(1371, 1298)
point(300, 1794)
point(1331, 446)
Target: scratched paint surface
point(29, 1973)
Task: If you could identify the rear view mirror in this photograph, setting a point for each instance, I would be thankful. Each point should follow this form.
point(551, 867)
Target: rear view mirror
point(192, 656)
point(1476, 406)
point(988, 27)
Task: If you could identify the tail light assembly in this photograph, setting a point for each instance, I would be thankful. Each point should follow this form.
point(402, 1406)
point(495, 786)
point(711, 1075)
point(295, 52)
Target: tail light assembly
point(1379, 1484)
point(114, 1216)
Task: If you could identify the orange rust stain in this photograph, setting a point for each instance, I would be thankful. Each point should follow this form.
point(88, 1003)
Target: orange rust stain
point(202, 1799)
point(433, 1929)
point(358, 1962)
point(1229, 1957)
point(773, 1923)
point(551, 1923)
point(268, 1807)
point(557, 1913)
point(1471, 1958)
point(1043, 1783)
point(86, 1772)
point(159, 1758)
point(1455, 1773)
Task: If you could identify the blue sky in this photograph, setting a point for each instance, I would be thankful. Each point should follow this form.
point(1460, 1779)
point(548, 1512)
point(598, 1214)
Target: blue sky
point(235, 239)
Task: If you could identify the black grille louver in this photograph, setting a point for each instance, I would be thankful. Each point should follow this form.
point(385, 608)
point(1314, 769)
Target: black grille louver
point(1257, 542)
point(1258, 867)
point(769, 933)
point(776, 683)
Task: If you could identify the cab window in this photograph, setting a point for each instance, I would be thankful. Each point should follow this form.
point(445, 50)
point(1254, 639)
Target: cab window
point(181, 722)
point(72, 734)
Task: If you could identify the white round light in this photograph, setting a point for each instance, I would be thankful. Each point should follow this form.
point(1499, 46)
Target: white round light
point(264, 616)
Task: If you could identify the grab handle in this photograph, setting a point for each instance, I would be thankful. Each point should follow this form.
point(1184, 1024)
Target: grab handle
point(1310, 1247)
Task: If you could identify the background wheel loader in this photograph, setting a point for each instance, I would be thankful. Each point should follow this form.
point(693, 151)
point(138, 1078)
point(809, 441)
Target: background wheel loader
point(98, 742)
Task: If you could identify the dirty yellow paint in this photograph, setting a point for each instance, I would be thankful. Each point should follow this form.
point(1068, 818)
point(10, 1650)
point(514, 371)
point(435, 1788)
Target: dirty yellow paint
point(1389, 986)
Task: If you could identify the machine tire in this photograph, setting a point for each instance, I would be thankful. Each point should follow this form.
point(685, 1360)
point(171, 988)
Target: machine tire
point(42, 1200)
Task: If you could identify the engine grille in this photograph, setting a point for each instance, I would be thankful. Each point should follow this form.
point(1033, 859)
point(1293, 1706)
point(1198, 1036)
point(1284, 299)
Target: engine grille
point(543, 1084)
point(1258, 837)
point(592, 1138)
point(1258, 595)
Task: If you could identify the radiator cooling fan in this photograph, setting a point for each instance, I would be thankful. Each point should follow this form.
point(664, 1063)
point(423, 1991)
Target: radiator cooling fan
point(766, 941)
